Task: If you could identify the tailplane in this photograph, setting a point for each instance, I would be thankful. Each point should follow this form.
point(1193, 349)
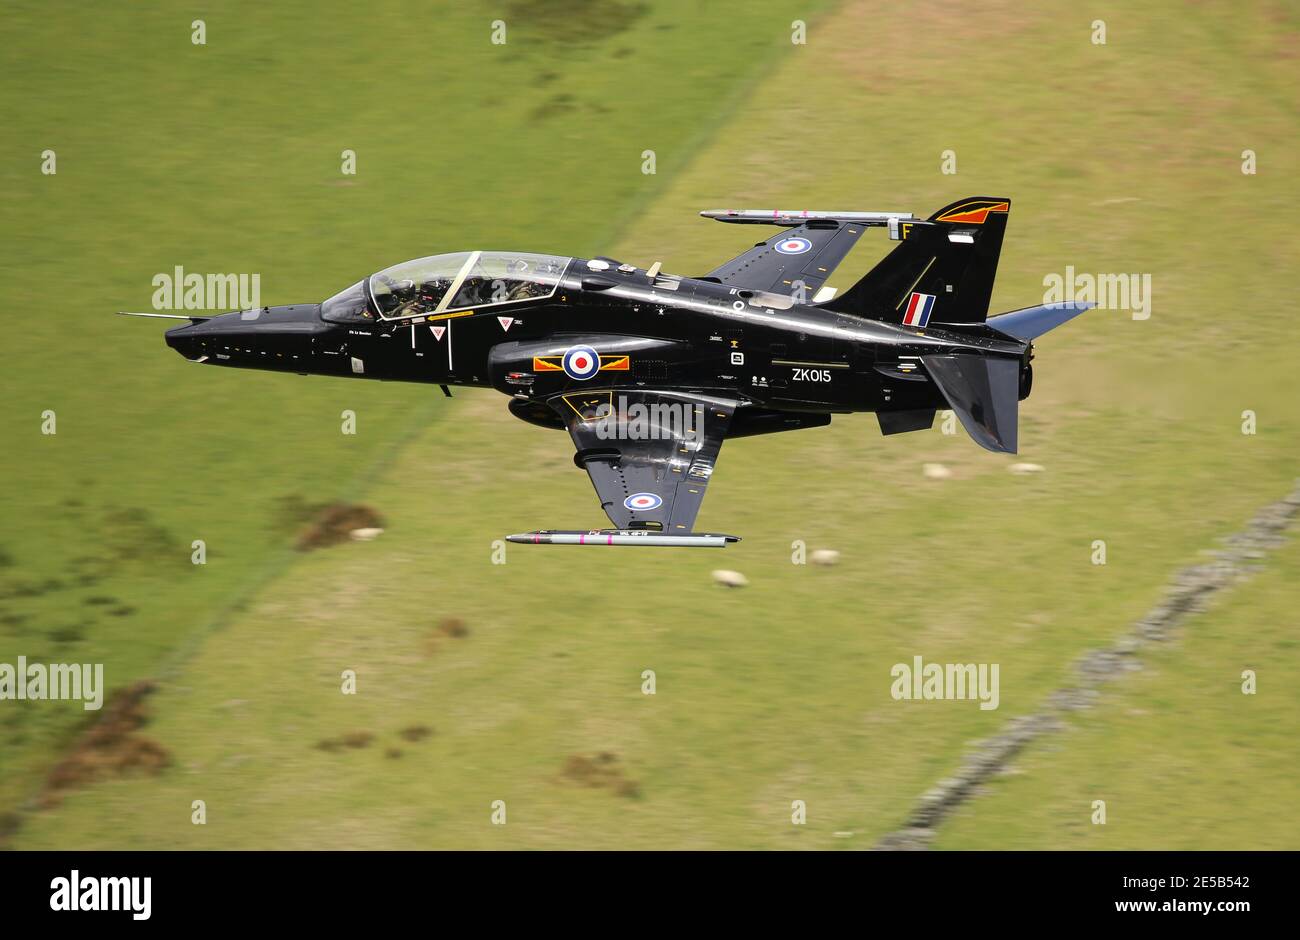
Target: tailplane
point(1032, 322)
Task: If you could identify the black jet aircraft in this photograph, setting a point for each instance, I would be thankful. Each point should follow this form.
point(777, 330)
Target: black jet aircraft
point(650, 372)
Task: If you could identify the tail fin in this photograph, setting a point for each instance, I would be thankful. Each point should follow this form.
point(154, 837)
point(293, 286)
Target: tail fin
point(941, 273)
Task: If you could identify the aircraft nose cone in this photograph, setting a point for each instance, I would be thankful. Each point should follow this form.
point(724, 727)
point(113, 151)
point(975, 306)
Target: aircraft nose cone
point(191, 339)
point(183, 340)
point(261, 338)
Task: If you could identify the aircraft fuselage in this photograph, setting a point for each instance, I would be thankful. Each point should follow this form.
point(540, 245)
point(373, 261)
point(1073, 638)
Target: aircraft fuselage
point(661, 331)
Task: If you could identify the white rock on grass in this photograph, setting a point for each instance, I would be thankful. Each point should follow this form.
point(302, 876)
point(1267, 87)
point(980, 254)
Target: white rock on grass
point(731, 579)
point(1026, 468)
point(935, 471)
point(825, 556)
point(365, 535)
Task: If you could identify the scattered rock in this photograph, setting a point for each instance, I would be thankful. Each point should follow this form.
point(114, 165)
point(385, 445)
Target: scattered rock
point(935, 471)
point(914, 839)
point(1023, 468)
point(825, 556)
point(365, 535)
point(731, 579)
point(335, 523)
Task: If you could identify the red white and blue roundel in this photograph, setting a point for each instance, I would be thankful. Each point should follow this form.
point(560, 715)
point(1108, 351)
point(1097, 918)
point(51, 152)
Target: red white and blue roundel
point(581, 362)
point(794, 245)
point(643, 502)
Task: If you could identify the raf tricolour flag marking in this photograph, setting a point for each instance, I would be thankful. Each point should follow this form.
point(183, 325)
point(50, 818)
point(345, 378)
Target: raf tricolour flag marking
point(918, 310)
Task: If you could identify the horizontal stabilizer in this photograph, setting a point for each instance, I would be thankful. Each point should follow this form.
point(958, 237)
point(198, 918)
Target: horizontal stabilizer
point(983, 392)
point(1033, 322)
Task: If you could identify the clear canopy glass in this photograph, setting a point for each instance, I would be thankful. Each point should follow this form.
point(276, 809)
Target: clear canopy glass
point(464, 280)
point(350, 305)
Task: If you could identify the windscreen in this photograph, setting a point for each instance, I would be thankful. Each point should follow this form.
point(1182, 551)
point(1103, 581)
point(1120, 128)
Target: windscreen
point(351, 305)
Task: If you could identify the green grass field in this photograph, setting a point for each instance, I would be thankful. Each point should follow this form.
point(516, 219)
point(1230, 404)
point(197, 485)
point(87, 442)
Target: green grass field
point(1182, 758)
point(1120, 158)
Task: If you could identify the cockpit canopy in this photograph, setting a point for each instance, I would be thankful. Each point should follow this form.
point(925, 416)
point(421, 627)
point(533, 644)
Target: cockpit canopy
point(457, 281)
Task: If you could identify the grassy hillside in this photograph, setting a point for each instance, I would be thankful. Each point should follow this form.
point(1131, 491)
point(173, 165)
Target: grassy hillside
point(1181, 757)
point(227, 157)
point(1120, 158)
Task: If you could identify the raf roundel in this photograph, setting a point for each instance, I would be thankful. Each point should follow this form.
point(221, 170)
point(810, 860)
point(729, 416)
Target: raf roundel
point(643, 502)
point(581, 363)
point(793, 246)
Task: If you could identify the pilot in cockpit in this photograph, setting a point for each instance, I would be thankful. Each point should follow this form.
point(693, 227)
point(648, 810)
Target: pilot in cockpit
point(432, 291)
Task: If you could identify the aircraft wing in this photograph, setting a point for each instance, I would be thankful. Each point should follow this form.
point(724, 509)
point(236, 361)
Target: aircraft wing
point(807, 253)
point(649, 453)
